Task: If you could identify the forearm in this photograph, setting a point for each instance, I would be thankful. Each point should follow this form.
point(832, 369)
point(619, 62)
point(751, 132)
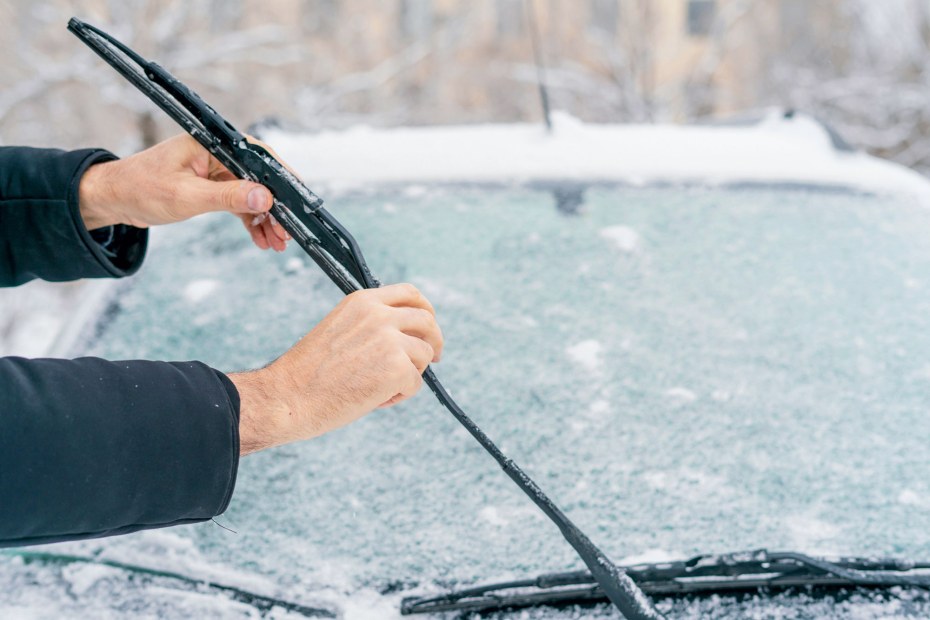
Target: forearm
point(92, 448)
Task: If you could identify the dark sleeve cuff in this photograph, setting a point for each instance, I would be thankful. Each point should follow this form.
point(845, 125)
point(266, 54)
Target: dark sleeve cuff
point(92, 448)
point(121, 246)
point(42, 233)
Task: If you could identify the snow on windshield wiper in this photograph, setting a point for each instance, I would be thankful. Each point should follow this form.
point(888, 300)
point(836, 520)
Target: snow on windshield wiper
point(700, 575)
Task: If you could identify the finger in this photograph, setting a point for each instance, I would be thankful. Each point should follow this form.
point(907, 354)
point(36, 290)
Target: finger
point(257, 232)
point(421, 324)
point(416, 382)
point(204, 195)
point(403, 295)
point(413, 385)
point(278, 244)
point(222, 174)
point(278, 229)
point(260, 238)
point(397, 398)
point(420, 353)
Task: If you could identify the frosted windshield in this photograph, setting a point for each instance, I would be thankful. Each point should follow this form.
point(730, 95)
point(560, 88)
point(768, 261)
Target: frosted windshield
point(684, 370)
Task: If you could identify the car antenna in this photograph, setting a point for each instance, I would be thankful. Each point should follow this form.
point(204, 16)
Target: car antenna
point(538, 60)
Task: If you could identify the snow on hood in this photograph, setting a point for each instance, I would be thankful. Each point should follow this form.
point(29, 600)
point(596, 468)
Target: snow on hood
point(776, 149)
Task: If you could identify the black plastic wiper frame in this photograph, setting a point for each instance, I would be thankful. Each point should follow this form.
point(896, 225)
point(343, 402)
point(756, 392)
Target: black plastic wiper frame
point(701, 575)
point(298, 209)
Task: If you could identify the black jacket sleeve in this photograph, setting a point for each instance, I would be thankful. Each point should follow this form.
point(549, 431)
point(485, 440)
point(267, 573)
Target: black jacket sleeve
point(92, 448)
point(42, 234)
point(88, 447)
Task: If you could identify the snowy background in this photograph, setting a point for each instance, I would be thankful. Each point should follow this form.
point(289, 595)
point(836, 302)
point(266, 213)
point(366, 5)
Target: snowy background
point(385, 106)
point(312, 65)
point(861, 65)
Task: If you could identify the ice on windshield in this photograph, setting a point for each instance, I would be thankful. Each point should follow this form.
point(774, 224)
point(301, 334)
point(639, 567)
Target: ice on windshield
point(684, 370)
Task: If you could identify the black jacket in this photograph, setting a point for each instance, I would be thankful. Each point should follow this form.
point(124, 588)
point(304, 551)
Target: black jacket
point(89, 447)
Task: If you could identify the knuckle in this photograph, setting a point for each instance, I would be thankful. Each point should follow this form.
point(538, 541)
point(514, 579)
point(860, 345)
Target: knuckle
point(433, 330)
point(362, 293)
point(385, 343)
point(390, 336)
point(377, 319)
point(353, 297)
point(427, 351)
point(425, 317)
point(361, 299)
point(400, 362)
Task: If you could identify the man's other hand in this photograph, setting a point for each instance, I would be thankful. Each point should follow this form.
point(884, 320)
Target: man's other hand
point(173, 181)
point(369, 352)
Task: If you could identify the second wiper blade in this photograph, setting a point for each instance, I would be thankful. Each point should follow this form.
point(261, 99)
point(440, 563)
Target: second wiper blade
point(700, 575)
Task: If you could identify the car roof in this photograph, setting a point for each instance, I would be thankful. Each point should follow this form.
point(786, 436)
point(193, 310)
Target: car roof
point(776, 148)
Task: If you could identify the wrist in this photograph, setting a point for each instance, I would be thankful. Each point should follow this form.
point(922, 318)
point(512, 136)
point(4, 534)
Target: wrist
point(96, 197)
point(263, 418)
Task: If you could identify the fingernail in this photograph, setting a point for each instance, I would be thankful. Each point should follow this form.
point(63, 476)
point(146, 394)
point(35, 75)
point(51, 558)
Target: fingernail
point(257, 199)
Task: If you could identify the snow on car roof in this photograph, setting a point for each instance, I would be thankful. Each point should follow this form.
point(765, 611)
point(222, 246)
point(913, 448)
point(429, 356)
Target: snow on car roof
point(777, 149)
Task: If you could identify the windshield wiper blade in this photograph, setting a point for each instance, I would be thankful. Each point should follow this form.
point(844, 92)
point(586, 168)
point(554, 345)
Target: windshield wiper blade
point(300, 212)
point(699, 575)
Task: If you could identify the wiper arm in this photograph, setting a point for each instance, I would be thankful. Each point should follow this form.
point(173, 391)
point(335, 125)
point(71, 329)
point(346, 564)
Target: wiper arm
point(300, 212)
point(700, 575)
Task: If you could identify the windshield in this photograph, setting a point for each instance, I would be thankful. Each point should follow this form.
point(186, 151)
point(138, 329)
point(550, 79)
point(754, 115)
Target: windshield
point(684, 370)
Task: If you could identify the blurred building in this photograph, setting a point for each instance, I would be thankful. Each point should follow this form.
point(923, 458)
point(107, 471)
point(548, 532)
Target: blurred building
point(319, 63)
point(864, 65)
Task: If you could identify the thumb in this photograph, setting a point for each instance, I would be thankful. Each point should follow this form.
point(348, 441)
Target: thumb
point(235, 196)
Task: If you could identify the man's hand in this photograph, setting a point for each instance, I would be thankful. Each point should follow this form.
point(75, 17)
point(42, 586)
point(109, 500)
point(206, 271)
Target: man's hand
point(369, 352)
point(170, 182)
